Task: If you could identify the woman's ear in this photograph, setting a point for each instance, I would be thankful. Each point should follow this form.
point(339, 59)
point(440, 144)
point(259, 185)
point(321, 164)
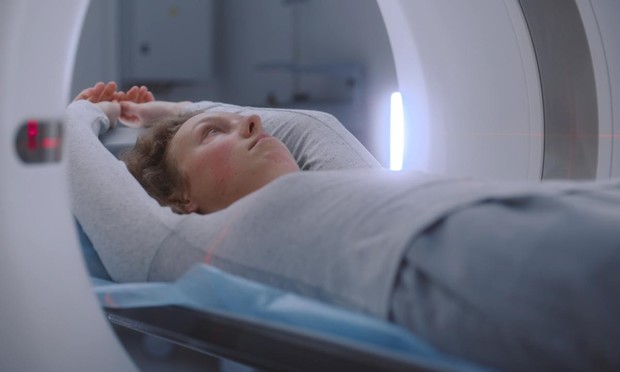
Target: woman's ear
point(182, 205)
point(189, 206)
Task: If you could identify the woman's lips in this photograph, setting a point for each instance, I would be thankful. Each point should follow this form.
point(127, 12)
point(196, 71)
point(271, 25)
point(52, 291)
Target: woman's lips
point(258, 139)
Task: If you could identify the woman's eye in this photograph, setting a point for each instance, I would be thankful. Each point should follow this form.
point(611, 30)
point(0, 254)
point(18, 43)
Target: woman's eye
point(211, 131)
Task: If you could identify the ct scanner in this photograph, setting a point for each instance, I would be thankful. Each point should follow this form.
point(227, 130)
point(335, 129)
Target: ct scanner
point(513, 89)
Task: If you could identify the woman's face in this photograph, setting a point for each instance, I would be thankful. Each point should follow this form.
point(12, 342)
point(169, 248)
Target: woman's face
point(225, 156)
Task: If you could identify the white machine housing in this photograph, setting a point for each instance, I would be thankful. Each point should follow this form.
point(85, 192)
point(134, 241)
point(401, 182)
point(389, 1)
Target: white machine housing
point(510, 89)
point(49, 317)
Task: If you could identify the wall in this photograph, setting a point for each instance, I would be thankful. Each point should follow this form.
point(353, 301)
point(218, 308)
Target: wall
point(97, 56)
point(354, 30)
point(251, 32)
point(258, 31)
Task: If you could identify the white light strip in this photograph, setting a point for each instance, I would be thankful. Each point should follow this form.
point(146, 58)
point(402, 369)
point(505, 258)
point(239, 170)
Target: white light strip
point(397, 132)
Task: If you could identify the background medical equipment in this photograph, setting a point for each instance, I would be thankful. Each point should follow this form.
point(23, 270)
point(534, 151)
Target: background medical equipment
point(478, 78)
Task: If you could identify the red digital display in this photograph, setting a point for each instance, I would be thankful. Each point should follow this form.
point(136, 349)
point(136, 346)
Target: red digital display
point(39, 141)
point(49, 143)
point(32, 128)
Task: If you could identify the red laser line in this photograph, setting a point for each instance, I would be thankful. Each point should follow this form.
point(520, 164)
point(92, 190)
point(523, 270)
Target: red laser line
point(109, 300)
point(571, 134)
point(218, 240)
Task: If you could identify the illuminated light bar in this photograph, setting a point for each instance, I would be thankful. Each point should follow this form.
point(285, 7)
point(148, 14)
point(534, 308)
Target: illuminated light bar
point(397, 132)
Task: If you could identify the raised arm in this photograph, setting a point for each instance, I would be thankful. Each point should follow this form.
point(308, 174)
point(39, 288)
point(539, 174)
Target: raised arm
point(125, 225)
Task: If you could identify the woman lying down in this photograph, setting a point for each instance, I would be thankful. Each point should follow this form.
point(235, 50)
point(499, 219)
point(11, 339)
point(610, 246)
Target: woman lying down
point(518, 276)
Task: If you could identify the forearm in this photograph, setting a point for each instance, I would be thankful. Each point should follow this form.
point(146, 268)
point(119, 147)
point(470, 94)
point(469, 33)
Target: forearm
point(166, 109)
point(148, 113)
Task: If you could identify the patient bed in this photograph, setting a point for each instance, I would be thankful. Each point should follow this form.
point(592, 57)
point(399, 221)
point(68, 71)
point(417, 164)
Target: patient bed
point(234, 319)
point(215, 313)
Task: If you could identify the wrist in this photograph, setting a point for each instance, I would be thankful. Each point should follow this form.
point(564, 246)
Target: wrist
point(180, 107)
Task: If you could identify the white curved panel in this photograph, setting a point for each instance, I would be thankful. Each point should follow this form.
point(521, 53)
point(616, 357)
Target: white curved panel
point(49, 318)
point(469, 80)
point(601, 76)
point(600, 20)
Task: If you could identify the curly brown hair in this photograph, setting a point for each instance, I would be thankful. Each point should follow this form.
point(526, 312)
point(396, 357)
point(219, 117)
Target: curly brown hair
point(149, 163)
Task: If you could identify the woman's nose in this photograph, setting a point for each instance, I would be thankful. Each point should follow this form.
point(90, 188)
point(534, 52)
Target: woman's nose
point(251, 124)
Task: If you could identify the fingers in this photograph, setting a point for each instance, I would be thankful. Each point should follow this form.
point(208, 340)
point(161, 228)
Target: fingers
point(96, 92)
point(132, 93)
point(93, 91)
point(107, 92)
point(99, 92)
point(138, 95)
point(120, 96)
point(83, 94)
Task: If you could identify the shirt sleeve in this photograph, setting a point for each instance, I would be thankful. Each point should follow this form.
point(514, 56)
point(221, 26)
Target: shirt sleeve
point(124, 223)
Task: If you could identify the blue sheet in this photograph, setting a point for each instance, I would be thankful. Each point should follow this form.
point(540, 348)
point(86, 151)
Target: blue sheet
point(208, 289)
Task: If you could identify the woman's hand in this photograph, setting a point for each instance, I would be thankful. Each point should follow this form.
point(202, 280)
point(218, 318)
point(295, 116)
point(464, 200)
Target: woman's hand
point(135, 94)
point(107, 98)
point(136, 108)
point(101, 92)
point(98, 93)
